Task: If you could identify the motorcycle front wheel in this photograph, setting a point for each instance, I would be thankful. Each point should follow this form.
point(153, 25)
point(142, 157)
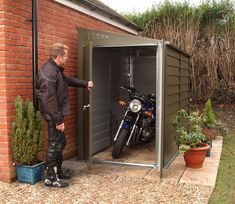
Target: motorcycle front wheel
point(119, 143)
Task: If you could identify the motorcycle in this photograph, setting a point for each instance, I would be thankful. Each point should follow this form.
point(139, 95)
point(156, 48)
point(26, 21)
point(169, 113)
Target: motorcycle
point(138, 122)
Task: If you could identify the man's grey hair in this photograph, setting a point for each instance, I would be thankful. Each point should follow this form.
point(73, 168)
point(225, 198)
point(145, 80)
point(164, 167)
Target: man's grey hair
point(57, 49)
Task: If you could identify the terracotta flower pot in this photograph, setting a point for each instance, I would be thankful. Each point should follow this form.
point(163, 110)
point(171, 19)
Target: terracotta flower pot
point(194, 157)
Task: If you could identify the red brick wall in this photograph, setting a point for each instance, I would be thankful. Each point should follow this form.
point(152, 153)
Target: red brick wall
point(5, 167)
point(56, 23)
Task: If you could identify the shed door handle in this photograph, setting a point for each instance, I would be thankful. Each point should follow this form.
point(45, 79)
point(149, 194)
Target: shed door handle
point(85, 107)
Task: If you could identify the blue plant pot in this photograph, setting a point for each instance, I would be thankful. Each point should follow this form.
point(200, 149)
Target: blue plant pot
point(30, 174)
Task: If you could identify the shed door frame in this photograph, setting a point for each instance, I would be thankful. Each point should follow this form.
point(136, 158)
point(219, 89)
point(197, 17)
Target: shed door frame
point(159, 156)
point(123, 41)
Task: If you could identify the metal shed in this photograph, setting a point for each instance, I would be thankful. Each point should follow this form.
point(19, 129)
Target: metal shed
point(111, 60)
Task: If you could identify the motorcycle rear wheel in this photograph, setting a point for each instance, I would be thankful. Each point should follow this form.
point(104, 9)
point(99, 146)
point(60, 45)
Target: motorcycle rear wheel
point(119, 143)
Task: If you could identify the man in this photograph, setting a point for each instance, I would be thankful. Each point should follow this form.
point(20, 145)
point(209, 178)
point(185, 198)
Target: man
point(52, 90)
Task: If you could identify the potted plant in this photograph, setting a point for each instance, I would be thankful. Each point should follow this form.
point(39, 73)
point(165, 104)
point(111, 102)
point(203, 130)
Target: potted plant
point(27, 140)
point(190, 139)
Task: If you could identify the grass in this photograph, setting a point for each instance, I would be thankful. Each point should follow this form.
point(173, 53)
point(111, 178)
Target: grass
point(225, 185)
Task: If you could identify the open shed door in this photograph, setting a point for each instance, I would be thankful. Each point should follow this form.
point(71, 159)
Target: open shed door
point(87, 101)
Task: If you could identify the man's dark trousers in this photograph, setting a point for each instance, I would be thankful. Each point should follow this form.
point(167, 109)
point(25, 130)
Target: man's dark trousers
point(56, 145)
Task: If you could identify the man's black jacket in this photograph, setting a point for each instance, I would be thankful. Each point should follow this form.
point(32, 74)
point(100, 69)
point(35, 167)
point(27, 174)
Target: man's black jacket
point(52, 90)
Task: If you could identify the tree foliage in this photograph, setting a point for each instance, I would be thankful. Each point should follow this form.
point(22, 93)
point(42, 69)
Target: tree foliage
point(207, 33)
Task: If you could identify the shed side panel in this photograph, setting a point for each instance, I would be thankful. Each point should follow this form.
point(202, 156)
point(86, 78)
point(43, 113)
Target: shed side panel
point(177, 73)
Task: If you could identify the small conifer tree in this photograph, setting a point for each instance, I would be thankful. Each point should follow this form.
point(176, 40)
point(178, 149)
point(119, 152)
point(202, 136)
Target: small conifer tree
point(27, 133)
point(208, 115)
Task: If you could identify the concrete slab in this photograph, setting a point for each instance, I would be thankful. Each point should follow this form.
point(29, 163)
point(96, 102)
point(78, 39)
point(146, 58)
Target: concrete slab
point(147, 156)
point(177, 171)
point(217, 143)
point(174, 172)
point(118, 170)
point(74, 166)
point(215, 155)
point(216, 149)
point(103, 169)
point(178, 159)
point(209, 161)
point(144, 153)
point(153, 175)
point(127, 153)
point(205, 176)
point(218, 140)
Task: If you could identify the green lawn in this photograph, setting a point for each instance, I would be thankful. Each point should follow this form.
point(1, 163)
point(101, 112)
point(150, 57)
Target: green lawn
point(225, 185)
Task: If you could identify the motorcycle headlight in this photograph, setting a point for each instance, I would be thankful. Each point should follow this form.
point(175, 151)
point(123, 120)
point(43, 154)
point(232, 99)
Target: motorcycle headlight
point(135, 105)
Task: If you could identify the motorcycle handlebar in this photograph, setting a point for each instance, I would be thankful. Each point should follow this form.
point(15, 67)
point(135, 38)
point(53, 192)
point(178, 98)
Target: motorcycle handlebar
point(132, 89)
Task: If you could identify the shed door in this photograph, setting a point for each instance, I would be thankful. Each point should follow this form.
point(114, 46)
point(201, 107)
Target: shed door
point(87, 101)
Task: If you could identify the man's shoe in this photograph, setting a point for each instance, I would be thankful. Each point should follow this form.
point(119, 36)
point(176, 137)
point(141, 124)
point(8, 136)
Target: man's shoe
point(56, 184)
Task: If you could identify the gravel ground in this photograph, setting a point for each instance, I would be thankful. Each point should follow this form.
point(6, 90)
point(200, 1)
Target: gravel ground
point(89, 188)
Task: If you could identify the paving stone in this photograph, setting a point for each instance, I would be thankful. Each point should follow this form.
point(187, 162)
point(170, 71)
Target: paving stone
point(153, 175)
point(74, 166)
point(103, 169)
point(211, 161)
point(205, 176)
point(174, 172)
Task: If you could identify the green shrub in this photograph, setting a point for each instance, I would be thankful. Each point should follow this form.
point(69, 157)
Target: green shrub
point(208, 115)
point(27, 136)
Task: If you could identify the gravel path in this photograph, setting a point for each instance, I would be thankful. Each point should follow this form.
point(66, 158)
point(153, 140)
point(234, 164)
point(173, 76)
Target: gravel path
point(89, 188)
